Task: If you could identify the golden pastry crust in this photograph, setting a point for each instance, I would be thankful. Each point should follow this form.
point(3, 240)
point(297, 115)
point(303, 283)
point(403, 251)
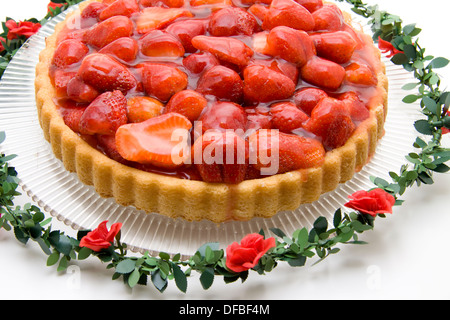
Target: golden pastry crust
point(197, 200)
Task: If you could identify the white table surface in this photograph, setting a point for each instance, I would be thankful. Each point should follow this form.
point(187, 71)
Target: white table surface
point(407, 256)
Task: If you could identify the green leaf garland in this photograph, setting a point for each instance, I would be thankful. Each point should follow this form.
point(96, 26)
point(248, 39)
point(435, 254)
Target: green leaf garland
point(322, 240)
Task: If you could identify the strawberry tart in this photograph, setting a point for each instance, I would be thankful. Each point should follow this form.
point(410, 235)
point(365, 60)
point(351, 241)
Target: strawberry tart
point(211, 109)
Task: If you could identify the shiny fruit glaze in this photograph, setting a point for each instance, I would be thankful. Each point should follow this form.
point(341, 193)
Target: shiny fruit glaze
point(131, 71)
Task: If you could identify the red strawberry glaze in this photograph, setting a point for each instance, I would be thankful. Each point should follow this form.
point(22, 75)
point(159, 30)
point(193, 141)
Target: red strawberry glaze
point(211, 50)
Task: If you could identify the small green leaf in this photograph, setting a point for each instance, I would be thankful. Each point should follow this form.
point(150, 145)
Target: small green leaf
point(53, 259)
point(321, 225)
point(180, 278)
point(207, 278)
point(134, 277)
point(125, 266)
point(439, 62)
point(411, 98)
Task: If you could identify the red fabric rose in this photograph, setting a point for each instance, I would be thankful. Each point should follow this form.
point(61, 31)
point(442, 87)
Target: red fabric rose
point(445, 130)
point(1, 44)
point(386, 47)
point(53, 6)
point(23, 28)
point(376, 201)
point(100, 238)
point(244, 256)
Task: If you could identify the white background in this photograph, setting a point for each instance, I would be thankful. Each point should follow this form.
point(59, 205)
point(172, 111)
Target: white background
point(407, 256)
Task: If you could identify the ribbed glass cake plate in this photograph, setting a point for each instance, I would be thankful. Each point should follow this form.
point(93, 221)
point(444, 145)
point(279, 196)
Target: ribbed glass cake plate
point(61, 194)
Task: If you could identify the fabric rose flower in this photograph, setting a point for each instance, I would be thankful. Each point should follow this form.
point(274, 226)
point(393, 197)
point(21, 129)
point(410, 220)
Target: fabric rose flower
point(386, 46)
point(244, 256)
point(100, 238)
point(52, 6)
point(23, 28)
point(2, 40)
point(376, 201)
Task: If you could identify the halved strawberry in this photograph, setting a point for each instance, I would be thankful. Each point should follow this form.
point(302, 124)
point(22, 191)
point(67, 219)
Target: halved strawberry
point(357, 108)
point(288, 13)
point(323, 73)
point(71, 115)
point(262, 84)
point(105, 114)
point(292, 45)
point(258, 117)
point(221, 157)
point(69, 52)
point(335, 46)
point(274, 152)
point(287, 117)
point(231, 21)
point(199, 62)
point(93, 10)
point(158, 43)
point(222, 116)
point(259, 11)
point(169, 3)
point(223, 83)
point(161, 141)
point(152, 18)
point(361, 74)
point(328, 18)
point(80, 91)
point(260, 44)
point(107, 144)
point(189, 103)
point(120, 8)
point(105, 73)
point(311, 5)
point(125, 49)
point(225, 49)
point(60, 79)
point(331, 120)
point(141, 108)
point(307, 98)
point(163, 81)
point(185, 30)
point(107, 31)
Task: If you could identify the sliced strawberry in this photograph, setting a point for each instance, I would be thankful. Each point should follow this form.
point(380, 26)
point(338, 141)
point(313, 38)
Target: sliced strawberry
point(259, 11)
point(328, 18)
point(159, 43)
point(125, 49)
point(231, 21)
point(258, 117)
point(262, 84)
point(307, 98)
point(79, 91)
point(185, 30)
point(335, 46)
point(361, 74)
point(93, 10)
point(71, 115)
point(225, 49)
point(290, 70)
point(287, 117)
point(311, 5)
point(288, 13)
point(222, 116)
point(107, 144)
point(357, 108)
point(331, 120)
point(199, 62)
point(160, 141)
point(292, 45)
point(141, 108)
point(260, 44)
point(69, 52)
point(213, 4)
point(105, 114)
point(189, 103)
point(60, 78)
point(323, 73)
point(120, 8)
point(107, 31)
point(221, 157)
point(169, 3)
point(157, 18)
point(163, 81)
point(223, 83)
point(278, 152)
point(106, 74)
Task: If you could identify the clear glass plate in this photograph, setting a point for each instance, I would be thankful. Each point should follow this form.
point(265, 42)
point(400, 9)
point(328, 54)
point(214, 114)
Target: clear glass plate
point(61, 194)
